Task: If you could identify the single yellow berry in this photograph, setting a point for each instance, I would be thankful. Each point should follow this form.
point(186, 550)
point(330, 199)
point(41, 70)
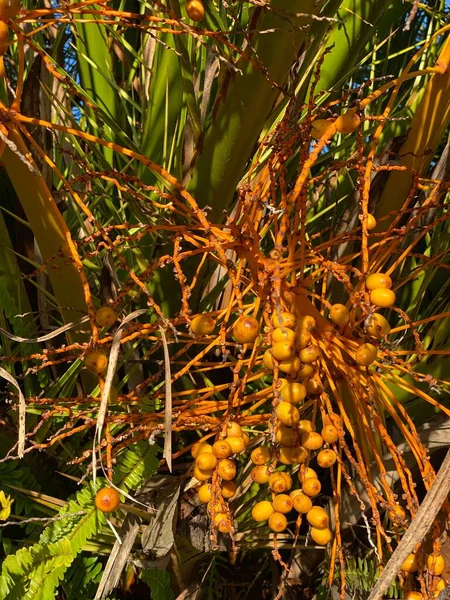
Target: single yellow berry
point(282, 503)
point(283, 334)
point(438, 587)
point(306, 473)
point(195, 10)
point(4, 37)
point(292, 456)
point(222, 520)
point(283, 319)
point(277, 522)
point(414, 596)
point(204, 493)
point(226, 469)
point(278, 483)
point(312, 440)
point(237, 444)
point(305, 371)
point(283, 350)
point(246, 330)
point(339, 314)
point(260, 455)
point(260, 474)
point(410, 565)
point(290, 366)
point(397, 514)
point(9, 9)
point(287, 413)
point(302, 502)
point(377, 326)
point(203, 325)
point(348, 122)
point(234, 429)
point(382, 297)
point(321, 536)
point(268, 360)
point(366, 355)
point(228, 489)
point(95, 361)
point(287, 437)
point(306, 322)
point(200, 448)
point(314, 385)
point(321, 127)
point(302, 340)
point(436, 564)
point(378, 280)
point(201, 475)
point(206, 461)
point(305, 425)
point(309, 354)
point(317, 517)
point(330, 434)
point(293, 392)
point(311, 487)
point(105, 316)
point(222, 449)
point(262, 511)
point(326, 458)
point(371, 222)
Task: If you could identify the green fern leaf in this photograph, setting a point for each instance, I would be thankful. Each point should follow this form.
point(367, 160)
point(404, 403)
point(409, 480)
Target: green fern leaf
point(159, 583)
point(138, 462)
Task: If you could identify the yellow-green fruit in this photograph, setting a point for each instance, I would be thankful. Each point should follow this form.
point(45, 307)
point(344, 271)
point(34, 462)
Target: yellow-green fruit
point(283, 319)
point(382, 297)
point(436, 564)
point(237, 444)
point(200, 448)
point(283, 334)
point(287, 413)
point(4, 36)
point(260, 474)
point(322, 537)
point(246, 330)
point(277, 522)
point(306, 322)
point(339, 314)
point(201, 475)
point(105, 316)
point(234, 429)
point(305, 425)
point(330, 434)
point(222, 522)
point(278, 483)
point(204, 493)
point(317, 517)
point(377, 281)
point(311, 487)
point(287, 437)
point(95, 361)
point(320, 127)
point(226, 469)
point(283, 350)
point(293, 392)
point(309, 354)
point(377, 326)
point(282, 503)
point(371, 222)
point(326, 458)
point(195, 10)
point(260, 455)
point(302, 503)
point(366, 355)
point(290, 366)
point(206, 461)
point(9, 9)
point(312, 440)
point(306, 474)
point(292, 456)
point(203, 325)
point(262, 511)
point(410, 564)
point(228, 489)
point(222, 449)
point(302, 339)
point(348, 122)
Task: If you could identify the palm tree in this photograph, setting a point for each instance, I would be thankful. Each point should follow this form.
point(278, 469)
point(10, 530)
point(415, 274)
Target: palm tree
point(174, 191)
